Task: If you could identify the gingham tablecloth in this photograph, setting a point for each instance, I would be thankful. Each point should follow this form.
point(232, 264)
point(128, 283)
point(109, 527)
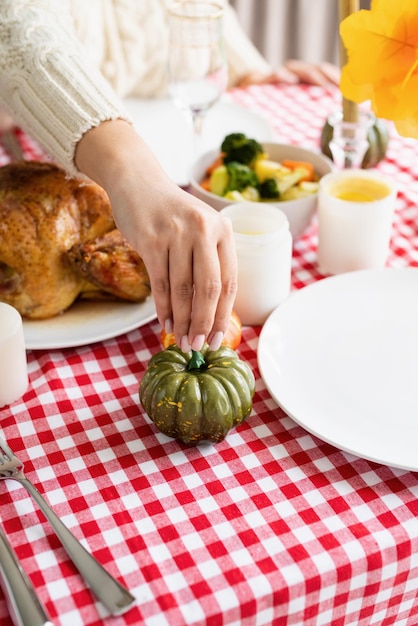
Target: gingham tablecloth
point(270, 527)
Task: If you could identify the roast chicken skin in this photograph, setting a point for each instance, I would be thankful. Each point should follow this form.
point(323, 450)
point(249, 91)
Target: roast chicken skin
point(45, 218)
point(109, 263)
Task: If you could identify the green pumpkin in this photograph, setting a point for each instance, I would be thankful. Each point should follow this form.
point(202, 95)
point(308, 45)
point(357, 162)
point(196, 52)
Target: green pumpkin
point(197, 396)
point(378, 138)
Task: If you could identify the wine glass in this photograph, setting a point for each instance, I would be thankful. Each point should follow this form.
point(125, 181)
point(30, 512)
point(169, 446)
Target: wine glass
point(197, 66)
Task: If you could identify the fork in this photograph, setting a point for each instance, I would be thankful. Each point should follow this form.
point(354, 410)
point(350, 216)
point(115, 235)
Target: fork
point(24, 605)
point(115, 597)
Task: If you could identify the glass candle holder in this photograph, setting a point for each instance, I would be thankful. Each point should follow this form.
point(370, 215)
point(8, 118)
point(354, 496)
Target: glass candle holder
point(349, 141)
point(264, 250)
point(13, 365)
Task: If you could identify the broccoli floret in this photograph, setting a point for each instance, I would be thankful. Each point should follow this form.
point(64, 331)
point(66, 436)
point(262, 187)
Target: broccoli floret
point(238, 147)
point(268, 189)
point(240, 177)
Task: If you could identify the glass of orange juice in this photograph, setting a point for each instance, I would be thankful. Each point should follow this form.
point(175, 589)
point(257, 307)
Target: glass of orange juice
point(356, 210)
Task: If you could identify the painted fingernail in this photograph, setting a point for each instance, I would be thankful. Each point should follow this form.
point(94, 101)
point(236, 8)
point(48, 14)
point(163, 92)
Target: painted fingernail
point(184, 344)
point(168, 326)
point(216, 341)
point(198, 341)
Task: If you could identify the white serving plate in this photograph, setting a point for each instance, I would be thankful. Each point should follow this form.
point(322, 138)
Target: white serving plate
point(341, 358)
point(86, 322)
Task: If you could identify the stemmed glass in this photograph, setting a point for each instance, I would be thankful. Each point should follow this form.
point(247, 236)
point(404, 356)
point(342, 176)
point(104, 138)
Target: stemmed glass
point(197, 66)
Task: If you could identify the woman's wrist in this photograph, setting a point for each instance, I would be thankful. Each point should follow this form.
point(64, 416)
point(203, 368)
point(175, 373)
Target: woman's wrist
point(108, 152)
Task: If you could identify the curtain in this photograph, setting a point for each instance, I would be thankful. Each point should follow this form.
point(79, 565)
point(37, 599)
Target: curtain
point(292, 29)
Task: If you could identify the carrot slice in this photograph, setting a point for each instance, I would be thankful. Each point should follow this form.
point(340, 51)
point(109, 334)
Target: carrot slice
point(217, 162)
point(292, 165)
point(205, 183)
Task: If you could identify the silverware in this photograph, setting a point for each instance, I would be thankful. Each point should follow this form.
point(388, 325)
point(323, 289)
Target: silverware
point(116, 598)
point(25, 608)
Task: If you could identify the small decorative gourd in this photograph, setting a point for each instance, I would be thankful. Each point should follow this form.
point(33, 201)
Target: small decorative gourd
point(197, 396)
point(378, 138)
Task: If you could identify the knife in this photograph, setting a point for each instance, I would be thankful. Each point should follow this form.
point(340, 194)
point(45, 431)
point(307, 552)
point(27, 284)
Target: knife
point(25, 608)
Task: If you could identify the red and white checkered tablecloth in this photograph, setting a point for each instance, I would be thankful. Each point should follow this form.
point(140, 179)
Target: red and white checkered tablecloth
point(271, 527)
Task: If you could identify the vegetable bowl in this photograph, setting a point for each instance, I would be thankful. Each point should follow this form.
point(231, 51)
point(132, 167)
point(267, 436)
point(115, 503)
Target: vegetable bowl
point(298, 206)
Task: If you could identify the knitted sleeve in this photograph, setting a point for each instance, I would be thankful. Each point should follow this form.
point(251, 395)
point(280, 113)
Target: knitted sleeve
point(46, 82)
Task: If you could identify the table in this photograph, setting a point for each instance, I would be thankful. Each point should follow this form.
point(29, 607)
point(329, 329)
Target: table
point(272, 526)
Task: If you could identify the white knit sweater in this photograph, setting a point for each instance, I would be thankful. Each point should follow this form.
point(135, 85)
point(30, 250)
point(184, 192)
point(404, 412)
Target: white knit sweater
point(65, 65)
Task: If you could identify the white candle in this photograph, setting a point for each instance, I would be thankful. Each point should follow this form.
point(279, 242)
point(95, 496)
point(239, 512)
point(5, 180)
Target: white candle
point(13, 365)
point(264, 250)
point(355, 216)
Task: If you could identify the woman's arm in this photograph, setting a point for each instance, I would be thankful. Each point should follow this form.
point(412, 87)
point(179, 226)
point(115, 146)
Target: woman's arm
point(64, 103)
point(46, 81)
point(187, 247)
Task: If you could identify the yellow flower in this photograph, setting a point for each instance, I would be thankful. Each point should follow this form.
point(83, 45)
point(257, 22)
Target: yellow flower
point(382, 66)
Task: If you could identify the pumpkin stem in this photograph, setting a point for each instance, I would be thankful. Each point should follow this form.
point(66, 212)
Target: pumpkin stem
point(196, 361)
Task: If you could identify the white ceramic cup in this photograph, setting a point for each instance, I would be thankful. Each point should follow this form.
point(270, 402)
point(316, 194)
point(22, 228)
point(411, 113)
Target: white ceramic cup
point(13, 364)
point(264, 251)
point(356, 210)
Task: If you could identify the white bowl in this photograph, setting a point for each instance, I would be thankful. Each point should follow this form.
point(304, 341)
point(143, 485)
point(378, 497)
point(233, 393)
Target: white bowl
point(299, 212)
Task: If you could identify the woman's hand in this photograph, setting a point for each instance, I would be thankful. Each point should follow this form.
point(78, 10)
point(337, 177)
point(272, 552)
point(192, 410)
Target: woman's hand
point(187, 247)
point(294, 72)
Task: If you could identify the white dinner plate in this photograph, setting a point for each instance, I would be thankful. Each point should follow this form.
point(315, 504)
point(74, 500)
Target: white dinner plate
point(86, 322)
point(168, 133)
point(341, 358)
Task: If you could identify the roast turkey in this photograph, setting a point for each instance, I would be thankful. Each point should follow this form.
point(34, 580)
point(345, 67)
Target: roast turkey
point(58, 242)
